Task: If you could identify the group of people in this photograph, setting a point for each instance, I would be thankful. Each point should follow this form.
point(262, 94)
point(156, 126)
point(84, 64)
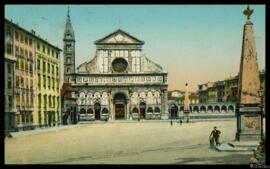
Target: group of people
point(180, 122)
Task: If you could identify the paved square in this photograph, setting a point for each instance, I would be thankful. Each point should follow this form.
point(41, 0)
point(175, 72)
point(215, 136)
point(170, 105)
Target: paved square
point(124, 143)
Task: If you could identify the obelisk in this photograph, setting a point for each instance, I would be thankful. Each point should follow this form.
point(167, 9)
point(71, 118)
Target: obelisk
point(247, 108)
point(186, 104)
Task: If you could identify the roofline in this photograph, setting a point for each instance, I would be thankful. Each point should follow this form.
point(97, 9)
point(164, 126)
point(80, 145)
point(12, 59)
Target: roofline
point(28, 32)
point(140, 41)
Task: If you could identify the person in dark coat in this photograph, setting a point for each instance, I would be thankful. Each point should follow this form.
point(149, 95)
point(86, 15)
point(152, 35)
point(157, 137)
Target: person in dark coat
point(215, 136)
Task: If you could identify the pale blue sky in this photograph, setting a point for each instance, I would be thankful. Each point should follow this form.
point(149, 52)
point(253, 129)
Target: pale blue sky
point(193, 43)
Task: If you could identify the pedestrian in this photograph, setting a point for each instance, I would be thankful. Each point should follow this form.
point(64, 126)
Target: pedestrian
point(171, 123)
point(211, 140)
point(180, 121)
point(215, 136)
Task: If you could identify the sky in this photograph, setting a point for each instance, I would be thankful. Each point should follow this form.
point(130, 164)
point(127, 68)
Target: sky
point(193, 43)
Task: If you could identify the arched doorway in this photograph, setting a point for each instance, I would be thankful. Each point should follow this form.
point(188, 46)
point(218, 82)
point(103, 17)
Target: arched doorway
point(82, 111)
point(135, 110)
point(230, 108)
point(173, 111)
point(210, 109)
point(223, 108)
point(217, 109)
point(142, 110)
point(202, 109)
point(157, 110)
point(120, 106)
point(196, 109)
point(105, 111)
point(97, 108)
point(90, 111)
point(150, 110)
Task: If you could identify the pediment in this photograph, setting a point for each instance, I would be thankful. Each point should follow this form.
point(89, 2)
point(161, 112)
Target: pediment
point(119, 37)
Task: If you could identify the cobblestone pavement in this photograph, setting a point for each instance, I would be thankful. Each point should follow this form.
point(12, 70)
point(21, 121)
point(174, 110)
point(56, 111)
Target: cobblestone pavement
point(124, 143)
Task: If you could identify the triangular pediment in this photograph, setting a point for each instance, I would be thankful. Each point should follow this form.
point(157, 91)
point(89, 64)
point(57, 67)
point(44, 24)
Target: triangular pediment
point(119, 37)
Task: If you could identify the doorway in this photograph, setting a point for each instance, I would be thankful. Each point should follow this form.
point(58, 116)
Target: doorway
point(97, 108)
point(120, 102)
point(119, 111)
point(173, 111)
point(142, 110)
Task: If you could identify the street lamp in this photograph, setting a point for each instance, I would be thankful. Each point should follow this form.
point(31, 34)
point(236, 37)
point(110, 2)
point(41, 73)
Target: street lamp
point(186, 104)
point(261, 95)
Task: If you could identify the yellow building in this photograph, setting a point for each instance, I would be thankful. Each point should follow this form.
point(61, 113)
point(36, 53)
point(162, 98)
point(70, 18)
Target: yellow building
point(24, 91)
point(36, 75)
point(48, 101)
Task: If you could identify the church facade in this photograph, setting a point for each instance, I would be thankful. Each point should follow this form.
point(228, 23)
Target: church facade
point(118, 83)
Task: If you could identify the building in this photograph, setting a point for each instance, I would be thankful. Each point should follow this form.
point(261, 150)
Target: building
point(47, 103)
point(24, 91)
point(176, 103)
point(69, 105)
point(231, 87)
point(211, 97)
point(119, 82)
point(223, 91)
point(10, 123)
point(28, 50)
point(175, 94)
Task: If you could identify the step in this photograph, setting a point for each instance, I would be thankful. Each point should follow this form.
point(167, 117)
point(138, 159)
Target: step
point(246, 144)
point(226, 147)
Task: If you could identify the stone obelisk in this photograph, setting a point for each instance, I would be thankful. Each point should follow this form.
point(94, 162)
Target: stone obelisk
point(186, 104)
point(247, 108)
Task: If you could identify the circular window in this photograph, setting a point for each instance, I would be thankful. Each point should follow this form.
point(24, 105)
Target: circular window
point(119, 64)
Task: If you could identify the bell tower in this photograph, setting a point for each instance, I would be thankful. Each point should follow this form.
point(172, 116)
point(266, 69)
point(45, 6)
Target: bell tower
point(69, 50)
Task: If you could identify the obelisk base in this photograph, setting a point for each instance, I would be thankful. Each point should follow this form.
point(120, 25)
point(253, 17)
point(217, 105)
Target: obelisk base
point(248, 123)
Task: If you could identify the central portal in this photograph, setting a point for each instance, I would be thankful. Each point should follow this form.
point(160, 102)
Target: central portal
point(120, 102)
point(119, 112)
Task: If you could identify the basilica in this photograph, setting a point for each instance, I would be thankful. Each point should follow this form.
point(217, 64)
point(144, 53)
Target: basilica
point(118, 83)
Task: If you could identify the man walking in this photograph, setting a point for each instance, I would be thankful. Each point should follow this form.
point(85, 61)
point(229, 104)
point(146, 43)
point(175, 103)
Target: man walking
point(180, 121)
point(215, 136)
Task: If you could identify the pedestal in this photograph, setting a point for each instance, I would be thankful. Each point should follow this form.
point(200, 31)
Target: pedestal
point(248, 123)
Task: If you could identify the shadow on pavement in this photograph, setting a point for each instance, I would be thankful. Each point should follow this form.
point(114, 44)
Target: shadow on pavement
point(228, 159)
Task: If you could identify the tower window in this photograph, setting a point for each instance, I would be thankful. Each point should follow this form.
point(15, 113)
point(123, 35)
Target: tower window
point(68, 47)
point(68, 60)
